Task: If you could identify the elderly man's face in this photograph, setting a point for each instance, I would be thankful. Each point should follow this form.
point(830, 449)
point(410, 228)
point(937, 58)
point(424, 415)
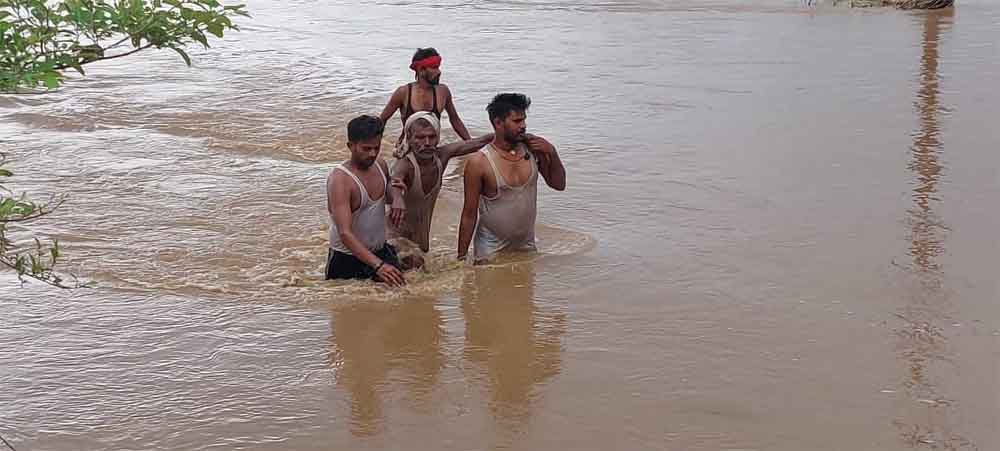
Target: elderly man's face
point(422, 139)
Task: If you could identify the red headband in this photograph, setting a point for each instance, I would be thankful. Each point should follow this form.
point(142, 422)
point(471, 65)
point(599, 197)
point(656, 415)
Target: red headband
point(429, 62)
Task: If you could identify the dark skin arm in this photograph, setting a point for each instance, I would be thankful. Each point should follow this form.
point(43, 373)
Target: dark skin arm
point(402, 176)
point(456, 122)
point(458, 149)
point(549, 164)
point(341, 190)
point(396, 190)
point(394, 104)
point(474, 180)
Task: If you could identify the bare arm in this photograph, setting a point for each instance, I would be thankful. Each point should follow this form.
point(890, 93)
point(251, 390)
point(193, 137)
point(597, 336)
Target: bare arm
point(395, 101)
point(463, 147)
point(470, 208)
point(394, 191)
point(549, 163)
point(402, 175)
point(339, 190)
point(456, 122)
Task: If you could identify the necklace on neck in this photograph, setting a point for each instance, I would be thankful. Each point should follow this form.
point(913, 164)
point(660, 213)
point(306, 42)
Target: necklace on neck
point(512, 152)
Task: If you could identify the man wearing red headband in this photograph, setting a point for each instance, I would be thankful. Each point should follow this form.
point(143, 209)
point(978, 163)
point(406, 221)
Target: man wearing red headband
point(425, 94)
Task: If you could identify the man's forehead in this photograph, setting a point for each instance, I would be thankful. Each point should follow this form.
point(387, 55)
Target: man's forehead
point(516, 115)
point(421, 126)
point(368, 142)
point(423, 130)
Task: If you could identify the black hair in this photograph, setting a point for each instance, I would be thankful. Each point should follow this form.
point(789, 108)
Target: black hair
point(505, 103)
point(363, 128)
point(424, 53)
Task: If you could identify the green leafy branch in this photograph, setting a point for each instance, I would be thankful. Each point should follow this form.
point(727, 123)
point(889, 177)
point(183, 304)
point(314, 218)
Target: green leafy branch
point(37, 261)
point(39, 39)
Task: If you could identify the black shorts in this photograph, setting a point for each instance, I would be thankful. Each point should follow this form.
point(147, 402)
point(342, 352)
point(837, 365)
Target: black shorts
point(346, 266)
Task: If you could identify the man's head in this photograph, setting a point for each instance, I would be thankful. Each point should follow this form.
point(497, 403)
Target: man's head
point(364, 138)
point(508, 112)
point(427, 65)
point(422, 138)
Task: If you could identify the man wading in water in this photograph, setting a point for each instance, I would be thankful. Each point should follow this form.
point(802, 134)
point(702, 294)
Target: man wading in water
point(501, 183)
point(425, 94)
point(356, 193)
point(420, 170)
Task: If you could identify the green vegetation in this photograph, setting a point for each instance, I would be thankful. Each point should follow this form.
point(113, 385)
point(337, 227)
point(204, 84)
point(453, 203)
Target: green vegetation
point(36, 260)
point(41, 39)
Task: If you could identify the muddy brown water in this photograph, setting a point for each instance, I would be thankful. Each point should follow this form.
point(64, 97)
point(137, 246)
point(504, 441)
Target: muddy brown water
point(780, 233)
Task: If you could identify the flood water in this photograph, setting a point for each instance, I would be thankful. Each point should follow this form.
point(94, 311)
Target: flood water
point(779, 233)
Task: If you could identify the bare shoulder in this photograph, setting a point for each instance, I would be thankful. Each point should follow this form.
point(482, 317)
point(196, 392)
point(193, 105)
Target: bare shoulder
point(338, 176)
point(399, 93)
point(335, 175)
point(401, 166)
point(474, 175)
point(339, 181)
point(475, 162)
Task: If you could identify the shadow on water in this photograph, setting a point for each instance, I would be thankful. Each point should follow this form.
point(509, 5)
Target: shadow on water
point(513, 339)
point(386, 352)
point(926, 421)
point(373, 339)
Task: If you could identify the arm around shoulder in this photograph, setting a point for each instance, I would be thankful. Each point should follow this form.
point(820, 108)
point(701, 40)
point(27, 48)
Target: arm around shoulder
point(464, 147)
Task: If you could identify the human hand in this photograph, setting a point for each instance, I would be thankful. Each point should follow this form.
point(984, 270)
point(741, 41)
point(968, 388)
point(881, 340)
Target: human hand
point(398, 184)
point(538, 145)
point(390, 275)
point(397, 214)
